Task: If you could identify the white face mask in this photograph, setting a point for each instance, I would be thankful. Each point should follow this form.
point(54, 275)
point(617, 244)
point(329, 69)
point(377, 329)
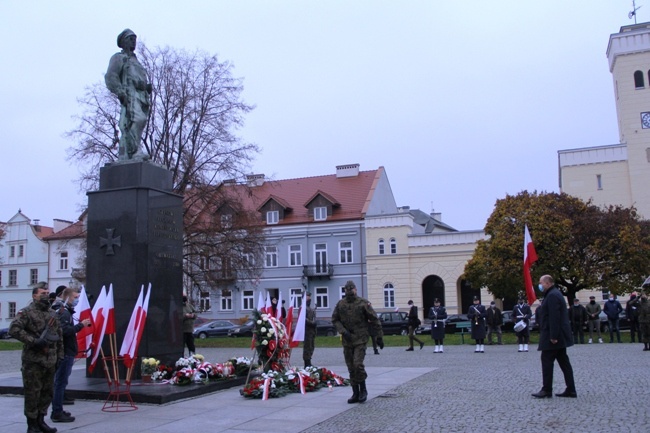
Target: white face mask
point(540, 287)
point(611, 299)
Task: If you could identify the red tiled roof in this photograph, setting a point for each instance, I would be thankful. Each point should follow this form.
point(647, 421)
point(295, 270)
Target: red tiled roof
point(351, 193)
point(73, 231)
point(42, 232)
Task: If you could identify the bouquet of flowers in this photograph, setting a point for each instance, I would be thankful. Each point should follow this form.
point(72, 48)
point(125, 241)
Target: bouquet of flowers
point(149, 366)
point(281, 383)
point(271, 341)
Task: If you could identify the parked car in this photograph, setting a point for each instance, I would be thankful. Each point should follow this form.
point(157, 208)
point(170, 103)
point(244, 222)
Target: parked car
point(452, 320)
point(325, 327)
point(216, 328)
point(623, 323)
point(245, 330)
point(394, 323)
point(508, 321)
point(201, 321)
point(4, 334)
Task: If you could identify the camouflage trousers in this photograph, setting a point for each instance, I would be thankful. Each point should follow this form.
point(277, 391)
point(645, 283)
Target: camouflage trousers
point(308, 346)
point(644, 329)
point(354, 356)
point(38, 382)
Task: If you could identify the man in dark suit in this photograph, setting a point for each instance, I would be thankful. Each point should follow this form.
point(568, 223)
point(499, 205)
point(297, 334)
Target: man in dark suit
point(554, 338)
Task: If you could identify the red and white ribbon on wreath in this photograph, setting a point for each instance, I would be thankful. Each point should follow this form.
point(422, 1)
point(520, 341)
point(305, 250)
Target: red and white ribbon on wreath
point(267, 386)
point(302, 383)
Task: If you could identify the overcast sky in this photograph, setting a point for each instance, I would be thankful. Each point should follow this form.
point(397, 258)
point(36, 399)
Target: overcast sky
point(462, 102)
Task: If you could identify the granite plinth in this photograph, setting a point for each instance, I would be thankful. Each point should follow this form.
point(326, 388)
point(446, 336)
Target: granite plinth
point(89, 388)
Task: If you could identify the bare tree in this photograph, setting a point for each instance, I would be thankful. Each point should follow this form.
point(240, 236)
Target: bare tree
point(195, 114)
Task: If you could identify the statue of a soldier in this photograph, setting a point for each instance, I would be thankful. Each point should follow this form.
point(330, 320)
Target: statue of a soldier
point(127, 79)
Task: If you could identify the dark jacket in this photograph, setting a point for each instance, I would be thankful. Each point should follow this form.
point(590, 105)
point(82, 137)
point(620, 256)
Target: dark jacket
point(612, 309)
point(553, 321)
point(414, 320)
point(522, 310)
point(632, 309)
point(476, 314)
point(438, 316)
point(494, 316)
point(578, 315)
point(69, 330)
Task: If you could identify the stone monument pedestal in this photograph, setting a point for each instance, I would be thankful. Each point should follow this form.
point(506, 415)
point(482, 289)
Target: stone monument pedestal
point(135, 237)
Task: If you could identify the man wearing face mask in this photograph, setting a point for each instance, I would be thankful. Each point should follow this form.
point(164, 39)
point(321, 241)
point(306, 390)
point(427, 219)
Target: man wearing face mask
point(310, 332)
point(65, 311)
point(578, 318)
point(644, 320)
point(554, 338)
point(612, 309)
point(37, 327)
point(494, 321)
point(523, 312)
point(352, 316)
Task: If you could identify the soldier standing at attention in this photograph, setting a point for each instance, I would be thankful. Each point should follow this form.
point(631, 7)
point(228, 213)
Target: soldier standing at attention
point(310, 332)
point(38, 328)
point(352, 318)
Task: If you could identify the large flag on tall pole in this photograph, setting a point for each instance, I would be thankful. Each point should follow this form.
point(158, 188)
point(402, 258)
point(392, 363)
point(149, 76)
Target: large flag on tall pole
point(278, 310)
point(260, 303)
point(530, 257)
point(85, 335)
point(299, 332)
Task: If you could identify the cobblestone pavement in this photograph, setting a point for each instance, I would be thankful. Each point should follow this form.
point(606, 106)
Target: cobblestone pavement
point(490, 392)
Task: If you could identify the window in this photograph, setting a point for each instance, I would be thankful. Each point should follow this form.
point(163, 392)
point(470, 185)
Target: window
point(12, 251)
point(204, 301)
point(0, 278)
point(272, 217)
point(322, 300)
point(226, 302)
point(248, 260)
point(295, 297)
point(271, 257)
point(63, 261)
point(345, 252)
point(599, 181)
point(247, 300)
point(21, 250)
point(320, 213)
point(320, 258)
point(381, 246)
point(605, 294)
point(389, 296)
point(33, 276)
point(226, 221)
point(341, 292)
point(13, 277)
point(295, 255)
point(638, 80)
point(12, 310)
point(393, 246)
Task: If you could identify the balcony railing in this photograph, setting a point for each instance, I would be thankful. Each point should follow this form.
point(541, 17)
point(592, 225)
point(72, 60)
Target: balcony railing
point(318, 271)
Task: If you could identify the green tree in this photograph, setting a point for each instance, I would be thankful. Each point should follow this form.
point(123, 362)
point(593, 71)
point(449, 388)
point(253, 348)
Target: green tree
point(581, 245)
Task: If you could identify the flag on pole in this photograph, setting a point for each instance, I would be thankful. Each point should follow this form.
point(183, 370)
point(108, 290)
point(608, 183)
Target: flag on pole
point(129, 335)
point(260, 303)
point(530, 257)
point(268, 308)
point(299, 333)
point(278, 310)
point(135, 329)
point(102, 315)
point(85, 335)
point(289, 321)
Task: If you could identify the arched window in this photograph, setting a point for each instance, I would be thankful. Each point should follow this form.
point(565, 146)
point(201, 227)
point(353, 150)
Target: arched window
point(638, 80)
point(393, 246)
point(389, 296)
point(380, 245)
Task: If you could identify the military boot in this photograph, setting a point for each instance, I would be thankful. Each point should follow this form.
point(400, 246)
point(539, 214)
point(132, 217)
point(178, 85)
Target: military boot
point(363, 392)
point(307, 363)
point(40, 422)
point(355, 394)
point(32, 426)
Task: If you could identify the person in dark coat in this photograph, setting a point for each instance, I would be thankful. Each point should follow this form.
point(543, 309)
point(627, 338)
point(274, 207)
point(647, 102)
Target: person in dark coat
point(414, 322)
point(554, 338)
point(612, 309)
point(494, 321)
point(632, 314)
point(437, 315)
point(476, 316)
point(578, 318)
point(523, 312)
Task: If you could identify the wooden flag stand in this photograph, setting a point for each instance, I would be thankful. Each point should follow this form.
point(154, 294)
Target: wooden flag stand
point(117, 389)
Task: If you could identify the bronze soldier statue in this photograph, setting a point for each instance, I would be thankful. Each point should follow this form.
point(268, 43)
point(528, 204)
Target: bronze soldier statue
point(352, 317)
point(38, 328)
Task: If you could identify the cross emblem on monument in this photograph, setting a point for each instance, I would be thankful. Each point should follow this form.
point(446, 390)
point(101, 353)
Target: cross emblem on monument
point(109, 241)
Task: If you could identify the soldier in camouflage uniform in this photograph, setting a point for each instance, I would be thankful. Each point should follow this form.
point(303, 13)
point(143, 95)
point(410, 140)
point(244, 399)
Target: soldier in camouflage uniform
point(310, 333)
point(352, 317)
point(38, 328)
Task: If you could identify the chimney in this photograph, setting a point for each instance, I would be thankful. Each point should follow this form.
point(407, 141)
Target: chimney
point(255, 179)
point(349, 170)
point(404, 209)
point(436, 216)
